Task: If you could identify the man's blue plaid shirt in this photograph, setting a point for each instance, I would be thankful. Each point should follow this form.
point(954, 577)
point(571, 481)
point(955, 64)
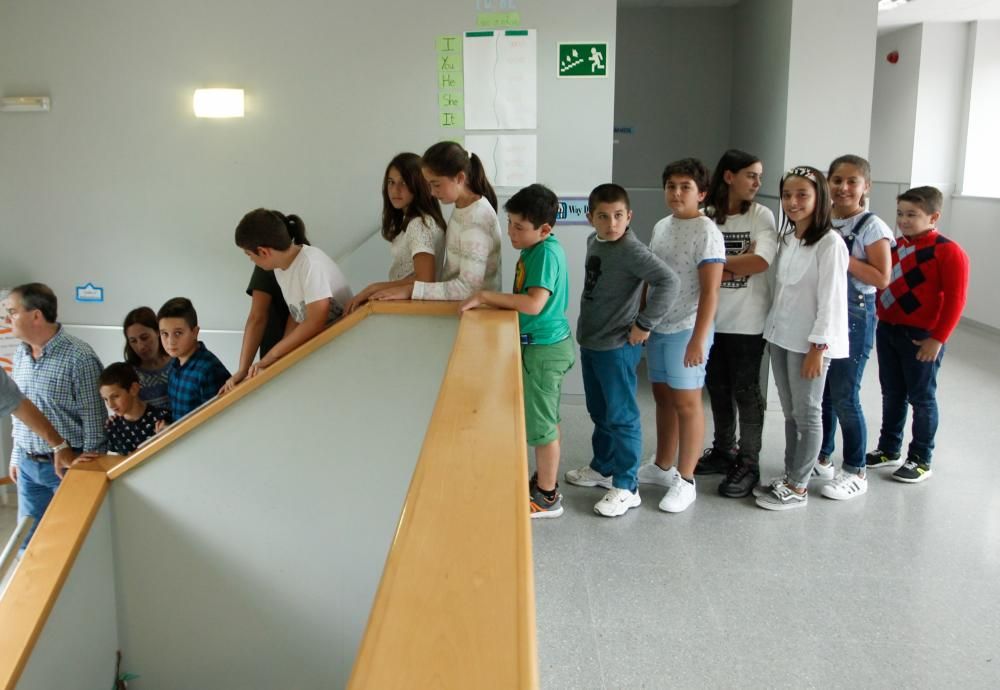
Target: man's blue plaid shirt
point(63, 384)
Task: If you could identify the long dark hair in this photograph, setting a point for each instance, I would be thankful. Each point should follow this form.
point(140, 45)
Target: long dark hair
point(144, 316)
point(272, 229)
point(820, 224)
point(446, 158)
point(394, 220)
point(717, 199)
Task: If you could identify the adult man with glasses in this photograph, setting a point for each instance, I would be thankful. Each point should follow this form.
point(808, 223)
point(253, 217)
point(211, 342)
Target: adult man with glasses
point(59, 374)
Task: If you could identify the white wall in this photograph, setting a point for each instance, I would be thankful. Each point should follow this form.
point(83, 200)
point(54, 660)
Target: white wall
point(77, 646)
point(972, 223)
point(894, 107)
point(122, 186)
point(830, 73)
point(940, 92)
point(980, 176)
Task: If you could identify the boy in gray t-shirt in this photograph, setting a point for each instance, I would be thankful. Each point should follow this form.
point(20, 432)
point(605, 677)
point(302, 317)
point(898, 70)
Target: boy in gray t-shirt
point(611, 331)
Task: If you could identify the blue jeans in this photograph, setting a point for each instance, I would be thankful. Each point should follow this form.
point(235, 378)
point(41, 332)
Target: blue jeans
point(905, 379)
point(609, 382)
point(36, 485)
point(842, 395)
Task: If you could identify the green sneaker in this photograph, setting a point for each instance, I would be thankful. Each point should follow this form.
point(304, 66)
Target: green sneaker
point(879, 458)
point(913, 471)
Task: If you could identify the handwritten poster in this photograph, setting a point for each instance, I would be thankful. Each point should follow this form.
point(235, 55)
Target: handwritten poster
point(510, 159)
point(449, 75)
point(500, 69)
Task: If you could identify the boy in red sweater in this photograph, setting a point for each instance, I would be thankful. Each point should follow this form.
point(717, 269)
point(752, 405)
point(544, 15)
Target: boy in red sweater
point(916, 312)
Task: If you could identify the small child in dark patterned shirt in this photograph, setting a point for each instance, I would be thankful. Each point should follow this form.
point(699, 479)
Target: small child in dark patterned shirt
point(133, 421)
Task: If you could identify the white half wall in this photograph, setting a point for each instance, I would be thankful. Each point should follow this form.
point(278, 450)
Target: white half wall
point(247, 553)
point(78, 645)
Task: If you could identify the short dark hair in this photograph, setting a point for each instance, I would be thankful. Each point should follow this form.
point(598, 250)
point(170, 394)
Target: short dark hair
point(119, 374)
point(537, 203)
point(273, 229)
point(178, 308)
point(688, 167)
point(929, 199)
point(608, 193)
point(38, 296)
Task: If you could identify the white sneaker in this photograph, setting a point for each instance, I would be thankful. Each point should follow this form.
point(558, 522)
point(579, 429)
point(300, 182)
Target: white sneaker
point(587, 476)
point(617, 502)
point(824, 471)
point(654, 474)
point(679, 496)
point(845, 485)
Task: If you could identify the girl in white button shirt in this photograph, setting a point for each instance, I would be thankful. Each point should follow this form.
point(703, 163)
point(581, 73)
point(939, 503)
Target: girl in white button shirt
point(806, 327)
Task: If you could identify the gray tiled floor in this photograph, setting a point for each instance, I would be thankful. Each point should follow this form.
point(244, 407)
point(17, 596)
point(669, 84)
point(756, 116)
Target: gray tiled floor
point(900, 588)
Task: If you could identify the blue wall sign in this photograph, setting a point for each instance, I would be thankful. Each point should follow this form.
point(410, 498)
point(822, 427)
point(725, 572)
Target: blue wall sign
point(572, 211)
point(89, 293)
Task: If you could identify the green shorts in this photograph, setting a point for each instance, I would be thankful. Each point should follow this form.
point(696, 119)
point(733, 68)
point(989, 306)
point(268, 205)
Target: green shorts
point(542, 369)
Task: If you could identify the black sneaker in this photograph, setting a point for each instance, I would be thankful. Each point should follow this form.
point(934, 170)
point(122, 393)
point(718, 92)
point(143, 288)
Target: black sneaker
point(913, 471)
point(879, 458)
point(714, 461)
point(743, 476)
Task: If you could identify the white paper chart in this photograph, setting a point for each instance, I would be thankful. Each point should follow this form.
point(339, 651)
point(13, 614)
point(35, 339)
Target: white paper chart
point(509, 159)
point(500, 74)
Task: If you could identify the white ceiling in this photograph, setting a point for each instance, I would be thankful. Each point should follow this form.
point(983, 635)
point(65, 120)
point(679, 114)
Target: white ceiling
point(924, 11)
point(915, 12)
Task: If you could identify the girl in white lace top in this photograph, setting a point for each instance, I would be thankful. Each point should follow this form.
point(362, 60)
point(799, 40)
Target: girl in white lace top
point(413, 225)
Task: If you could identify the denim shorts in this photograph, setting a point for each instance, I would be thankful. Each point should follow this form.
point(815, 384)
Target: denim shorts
point(665, 360)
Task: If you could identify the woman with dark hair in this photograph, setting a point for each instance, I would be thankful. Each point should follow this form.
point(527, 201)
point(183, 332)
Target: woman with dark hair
point(144, 351)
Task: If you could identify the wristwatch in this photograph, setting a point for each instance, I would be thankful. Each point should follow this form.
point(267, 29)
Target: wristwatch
point(62, 446)
point(820, 346)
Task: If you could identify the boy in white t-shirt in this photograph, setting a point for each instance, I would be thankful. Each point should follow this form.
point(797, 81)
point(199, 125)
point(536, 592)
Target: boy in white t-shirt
point(311, 282)
point(677, 350)
point(733, 371)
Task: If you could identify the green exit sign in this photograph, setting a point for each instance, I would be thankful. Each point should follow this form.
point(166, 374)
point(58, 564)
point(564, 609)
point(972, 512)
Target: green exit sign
point(583, 59)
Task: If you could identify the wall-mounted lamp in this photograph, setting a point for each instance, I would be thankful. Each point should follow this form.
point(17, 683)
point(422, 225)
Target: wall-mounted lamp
point(218, 103)
point(25, 104)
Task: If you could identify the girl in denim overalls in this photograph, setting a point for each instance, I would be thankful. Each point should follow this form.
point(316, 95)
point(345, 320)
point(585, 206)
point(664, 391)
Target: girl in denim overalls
point(869, 242)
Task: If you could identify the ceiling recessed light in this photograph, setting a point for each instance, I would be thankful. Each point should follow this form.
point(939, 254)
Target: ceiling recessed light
point(886, 5)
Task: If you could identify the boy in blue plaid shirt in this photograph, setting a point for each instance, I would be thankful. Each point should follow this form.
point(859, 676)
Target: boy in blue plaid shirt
point(196, 375)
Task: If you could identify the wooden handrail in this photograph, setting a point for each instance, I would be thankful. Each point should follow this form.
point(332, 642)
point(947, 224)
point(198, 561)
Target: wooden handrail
point(455, 607)
point(39, 578)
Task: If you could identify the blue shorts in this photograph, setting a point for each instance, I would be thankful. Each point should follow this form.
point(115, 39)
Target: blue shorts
point(665, 360)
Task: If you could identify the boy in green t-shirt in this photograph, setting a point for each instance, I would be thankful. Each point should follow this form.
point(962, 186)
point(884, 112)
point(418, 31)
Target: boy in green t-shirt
point(540, 296)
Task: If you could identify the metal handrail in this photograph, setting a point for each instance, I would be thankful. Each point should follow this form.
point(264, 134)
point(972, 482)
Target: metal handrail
point(10, 551)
